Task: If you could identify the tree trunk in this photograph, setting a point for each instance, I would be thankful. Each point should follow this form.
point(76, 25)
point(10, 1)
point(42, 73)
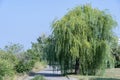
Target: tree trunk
point(77, 69)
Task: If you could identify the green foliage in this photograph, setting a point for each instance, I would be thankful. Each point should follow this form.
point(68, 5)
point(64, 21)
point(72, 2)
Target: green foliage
point(8, 61)
point(21, 62)
point(1, 77)
point(7, 64)
point(40, 47)
point(24, 66)
point(37, 51)
point(9, 57)
point(6, 68)
point(32, 55)
point(83, 37)
point(116, 52)
point(14, 48)
point(38, 77)
point(14, 59)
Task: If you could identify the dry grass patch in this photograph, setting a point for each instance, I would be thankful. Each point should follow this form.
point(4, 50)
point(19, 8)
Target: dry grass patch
point(38, 66)
point(20, 77)
point(110, 74)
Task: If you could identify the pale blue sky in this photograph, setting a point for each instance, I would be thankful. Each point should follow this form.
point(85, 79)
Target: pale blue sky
point(23, 21)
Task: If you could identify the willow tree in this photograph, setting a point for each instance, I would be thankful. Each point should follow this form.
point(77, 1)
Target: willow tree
point(81, 41)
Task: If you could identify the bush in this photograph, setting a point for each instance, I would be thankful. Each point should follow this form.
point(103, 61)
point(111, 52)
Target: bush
point(6, 69)
point(9, 57)
point(24, 66)
point(38, 77)
point(32, 55)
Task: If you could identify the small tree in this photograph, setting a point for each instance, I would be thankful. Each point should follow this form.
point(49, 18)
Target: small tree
point(37, 51)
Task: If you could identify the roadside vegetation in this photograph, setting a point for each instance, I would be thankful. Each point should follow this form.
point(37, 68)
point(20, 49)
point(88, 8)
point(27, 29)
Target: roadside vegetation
point(15, 62)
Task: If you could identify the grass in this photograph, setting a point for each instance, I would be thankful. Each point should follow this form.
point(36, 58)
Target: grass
point(110, 74)
point(20, 76)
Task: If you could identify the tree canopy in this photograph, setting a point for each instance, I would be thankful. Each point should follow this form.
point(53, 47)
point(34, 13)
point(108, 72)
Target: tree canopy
point(81, 40)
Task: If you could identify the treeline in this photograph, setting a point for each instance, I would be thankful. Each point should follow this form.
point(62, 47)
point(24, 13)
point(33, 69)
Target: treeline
point(14, 60)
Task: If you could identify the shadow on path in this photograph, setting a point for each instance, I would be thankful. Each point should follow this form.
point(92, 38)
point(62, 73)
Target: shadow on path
point(45, 74)
point(48, 72)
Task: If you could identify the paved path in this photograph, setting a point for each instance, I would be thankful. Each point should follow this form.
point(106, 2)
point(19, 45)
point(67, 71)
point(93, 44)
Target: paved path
point(50, 75)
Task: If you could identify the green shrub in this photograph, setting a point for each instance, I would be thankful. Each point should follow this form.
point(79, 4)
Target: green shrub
point(6, 68)
point(38, 77)
point(9, 57)
point(1, 78)
point(32, 55)
point(24, 66)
